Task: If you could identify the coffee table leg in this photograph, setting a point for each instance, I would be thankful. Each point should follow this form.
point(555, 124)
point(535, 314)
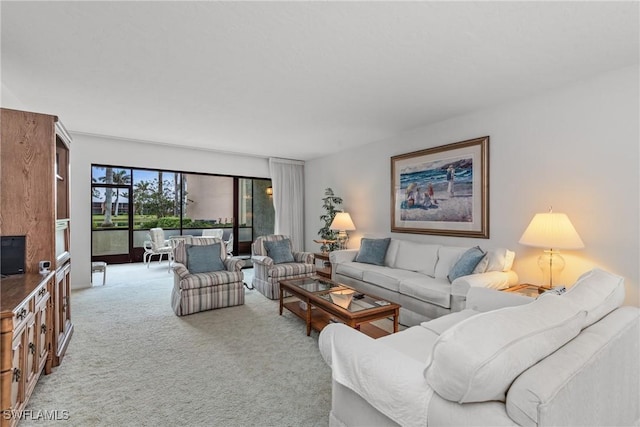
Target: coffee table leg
point(281, 302)
point(395, 320)
point(308, 318)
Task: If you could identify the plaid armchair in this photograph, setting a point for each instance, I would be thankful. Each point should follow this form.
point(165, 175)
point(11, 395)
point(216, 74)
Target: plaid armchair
point(267, 274)
point(205, 291)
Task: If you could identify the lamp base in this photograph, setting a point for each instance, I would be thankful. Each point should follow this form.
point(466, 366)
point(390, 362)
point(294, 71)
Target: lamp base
point(343, 238)
point(551, 263)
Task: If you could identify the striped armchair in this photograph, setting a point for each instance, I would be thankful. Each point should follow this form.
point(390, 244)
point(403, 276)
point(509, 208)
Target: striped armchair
point(267, 274)
point(205, 291)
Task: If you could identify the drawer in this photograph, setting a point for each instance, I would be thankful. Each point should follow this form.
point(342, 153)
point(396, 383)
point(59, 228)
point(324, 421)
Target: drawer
point(41, 293)
point(22, 312)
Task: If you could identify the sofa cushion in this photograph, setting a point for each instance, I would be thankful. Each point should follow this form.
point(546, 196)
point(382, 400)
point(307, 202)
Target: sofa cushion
point(381, 279)
point(434, 291)
point(478, 359)
point(417, 257)
point(598, 293)
point(415, 342)
point(355, 270)
point(447, 257)
point(388, 278)
point(373, 251)
point(290, 269)
point(442, 323)
point(204, 259)
point(467, 262)
point(279, 251)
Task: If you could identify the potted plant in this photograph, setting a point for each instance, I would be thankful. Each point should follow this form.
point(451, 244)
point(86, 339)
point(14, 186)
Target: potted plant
point(330, 202)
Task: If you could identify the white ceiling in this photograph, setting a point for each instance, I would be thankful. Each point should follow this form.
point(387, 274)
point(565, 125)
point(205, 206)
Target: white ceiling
point(296, 79)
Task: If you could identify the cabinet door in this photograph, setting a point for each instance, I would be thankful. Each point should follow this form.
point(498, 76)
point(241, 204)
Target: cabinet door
point(42, 330)
point(63, 327)
point(31, 355)
point(17, 369)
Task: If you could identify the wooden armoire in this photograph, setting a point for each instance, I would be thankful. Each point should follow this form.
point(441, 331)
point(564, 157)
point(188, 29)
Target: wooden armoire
point(34, 202)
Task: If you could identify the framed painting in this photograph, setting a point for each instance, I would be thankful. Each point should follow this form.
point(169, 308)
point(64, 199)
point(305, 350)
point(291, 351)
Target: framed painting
point(442, 190)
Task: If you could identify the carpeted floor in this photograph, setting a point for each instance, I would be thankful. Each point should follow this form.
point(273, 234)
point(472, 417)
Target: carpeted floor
point(132, 362)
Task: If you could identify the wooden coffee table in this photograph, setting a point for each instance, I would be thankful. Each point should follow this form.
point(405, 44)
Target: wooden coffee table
point(313, 304)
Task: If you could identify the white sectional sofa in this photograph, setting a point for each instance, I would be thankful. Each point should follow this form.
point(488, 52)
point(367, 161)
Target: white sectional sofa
point(414, 275)
point(568, 360)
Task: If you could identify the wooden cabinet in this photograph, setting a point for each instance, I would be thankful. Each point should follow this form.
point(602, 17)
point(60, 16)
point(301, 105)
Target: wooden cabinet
point(25, 336)
point(34, 202)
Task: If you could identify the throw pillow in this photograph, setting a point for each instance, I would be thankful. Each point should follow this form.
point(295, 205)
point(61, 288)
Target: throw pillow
point(279, 251)
point(373, 251)
point(204, 258)
point(467, 262)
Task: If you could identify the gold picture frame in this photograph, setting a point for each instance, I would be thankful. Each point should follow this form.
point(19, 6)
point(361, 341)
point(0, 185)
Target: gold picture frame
point(442, 190)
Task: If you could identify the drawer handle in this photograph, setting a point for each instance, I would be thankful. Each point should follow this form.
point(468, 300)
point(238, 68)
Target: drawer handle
point(17, 373)
point(22, 314)
point(32, 348)
point(43, 328)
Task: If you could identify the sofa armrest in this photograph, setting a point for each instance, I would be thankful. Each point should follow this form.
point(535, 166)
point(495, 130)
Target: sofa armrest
point(262, 259)
point(343, 255)
point(234, 264)
point(180, 270)
point(304, 257)
point(390, 381)
point(484, 299)
point(490, 280)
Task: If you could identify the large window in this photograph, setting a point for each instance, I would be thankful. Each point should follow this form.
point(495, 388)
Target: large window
point(127, 202)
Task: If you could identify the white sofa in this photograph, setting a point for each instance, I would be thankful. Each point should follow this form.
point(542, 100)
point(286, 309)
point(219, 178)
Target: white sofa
point(556, 361)
point(414, 275)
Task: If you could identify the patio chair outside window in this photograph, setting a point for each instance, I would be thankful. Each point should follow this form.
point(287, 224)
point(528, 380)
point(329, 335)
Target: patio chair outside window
point(156, 245)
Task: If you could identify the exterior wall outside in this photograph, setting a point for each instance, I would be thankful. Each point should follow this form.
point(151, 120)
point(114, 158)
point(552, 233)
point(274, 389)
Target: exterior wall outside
point(575, 148)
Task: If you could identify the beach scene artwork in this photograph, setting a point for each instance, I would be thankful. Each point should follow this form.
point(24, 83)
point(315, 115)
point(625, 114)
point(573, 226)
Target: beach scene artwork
point(438, 191)
point(442, 190)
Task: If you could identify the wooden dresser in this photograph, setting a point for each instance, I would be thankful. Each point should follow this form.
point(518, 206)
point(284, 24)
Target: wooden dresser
point(34, 202)
point(26, 327)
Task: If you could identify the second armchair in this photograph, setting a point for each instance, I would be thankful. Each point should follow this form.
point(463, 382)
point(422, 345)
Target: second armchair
point(274, 260)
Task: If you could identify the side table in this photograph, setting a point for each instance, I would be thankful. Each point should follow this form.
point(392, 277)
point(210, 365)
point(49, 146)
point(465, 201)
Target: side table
point(526, 289)
point(323, 270)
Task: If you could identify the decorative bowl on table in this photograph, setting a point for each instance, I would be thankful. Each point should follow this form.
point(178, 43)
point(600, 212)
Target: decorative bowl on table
point(342, 298)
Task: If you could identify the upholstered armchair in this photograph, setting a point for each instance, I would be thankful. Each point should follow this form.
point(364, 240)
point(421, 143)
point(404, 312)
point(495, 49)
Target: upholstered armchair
point(274, 259)
point(204, 278)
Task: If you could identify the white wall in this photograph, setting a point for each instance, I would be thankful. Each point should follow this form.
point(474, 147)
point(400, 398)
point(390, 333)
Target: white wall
point(575, 148)
point(86, 150)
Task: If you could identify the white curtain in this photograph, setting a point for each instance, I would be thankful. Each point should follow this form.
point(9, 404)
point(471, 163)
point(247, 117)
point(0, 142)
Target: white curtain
point(287, 180)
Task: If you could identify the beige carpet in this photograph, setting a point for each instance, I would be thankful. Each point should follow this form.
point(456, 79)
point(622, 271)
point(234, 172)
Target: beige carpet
point(132, 362)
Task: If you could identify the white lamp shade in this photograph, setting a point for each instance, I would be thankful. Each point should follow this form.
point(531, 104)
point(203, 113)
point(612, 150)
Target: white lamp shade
point(551, 230)
point(342, 222)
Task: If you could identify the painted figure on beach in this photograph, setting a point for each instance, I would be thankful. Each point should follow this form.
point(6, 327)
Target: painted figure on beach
point(450, 179)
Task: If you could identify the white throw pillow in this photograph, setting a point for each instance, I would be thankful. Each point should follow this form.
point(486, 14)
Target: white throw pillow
point(478, 359)
point(500, 259)
point(598, 292)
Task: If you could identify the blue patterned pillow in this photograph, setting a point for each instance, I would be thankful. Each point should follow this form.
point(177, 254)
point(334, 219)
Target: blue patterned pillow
point(279, 251)
point(467, 262)
point(204, 258)
point(373, 251)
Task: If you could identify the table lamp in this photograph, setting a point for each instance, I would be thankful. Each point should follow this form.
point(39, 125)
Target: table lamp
point(342, 223)
point(552, 231)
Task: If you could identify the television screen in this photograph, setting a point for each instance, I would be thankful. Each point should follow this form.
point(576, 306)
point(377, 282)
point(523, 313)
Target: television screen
point(12, 255)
